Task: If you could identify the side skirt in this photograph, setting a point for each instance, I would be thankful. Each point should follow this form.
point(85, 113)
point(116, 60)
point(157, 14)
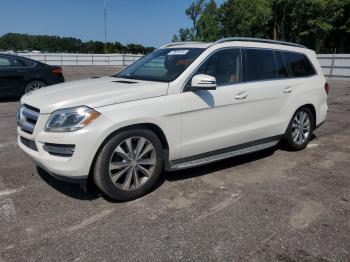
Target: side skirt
point(224, 153)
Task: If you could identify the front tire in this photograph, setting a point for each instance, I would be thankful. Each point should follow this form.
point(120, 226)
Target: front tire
point(300, 128)
point(129, 164)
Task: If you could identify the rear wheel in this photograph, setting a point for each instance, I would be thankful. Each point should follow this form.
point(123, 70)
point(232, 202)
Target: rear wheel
point(34, 85)
point(129, 164)
point(300, 129)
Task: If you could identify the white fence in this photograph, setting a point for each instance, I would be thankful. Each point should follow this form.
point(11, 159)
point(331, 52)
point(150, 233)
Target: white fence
point(84, 59)
point(334, 65)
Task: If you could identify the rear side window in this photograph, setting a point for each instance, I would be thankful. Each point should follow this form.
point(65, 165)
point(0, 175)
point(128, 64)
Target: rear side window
point(298, 65)
point(27, 63)
point(281, 66)
point(259, 65)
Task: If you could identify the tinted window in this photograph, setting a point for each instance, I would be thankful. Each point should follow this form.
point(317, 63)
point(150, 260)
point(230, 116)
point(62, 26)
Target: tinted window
point(27, 63)
point(10, 62)
point(298, 64)
point(224, 65)
point(4, 62)
point(260, 65)
point(281, 65)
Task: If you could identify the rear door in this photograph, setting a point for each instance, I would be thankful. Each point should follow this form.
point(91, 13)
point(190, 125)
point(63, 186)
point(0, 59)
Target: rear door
point(11, 76)
point(266, 78)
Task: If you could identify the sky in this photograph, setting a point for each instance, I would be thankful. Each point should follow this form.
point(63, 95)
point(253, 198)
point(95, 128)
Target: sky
point(146, 22)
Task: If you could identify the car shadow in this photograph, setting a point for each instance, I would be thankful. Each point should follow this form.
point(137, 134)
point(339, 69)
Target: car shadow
point(91, 192)
point(69, 189)
point(9, 99)
point(218, 166)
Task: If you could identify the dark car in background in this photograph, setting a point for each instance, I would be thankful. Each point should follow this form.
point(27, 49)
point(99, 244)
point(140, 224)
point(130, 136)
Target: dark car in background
point(19, 75)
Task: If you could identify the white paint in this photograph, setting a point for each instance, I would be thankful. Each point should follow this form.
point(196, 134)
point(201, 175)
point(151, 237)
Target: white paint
point(88, 221)
point(7, 192)
point(7, 209)
point(312, 145)
point(222, 205)
point(8, 143)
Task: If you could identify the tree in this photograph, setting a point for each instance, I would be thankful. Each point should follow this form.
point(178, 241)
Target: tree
point(244, 18)
point(185, 34)
point(45, 43)
point(207, 25)
point(193, 12)
point(175, 38)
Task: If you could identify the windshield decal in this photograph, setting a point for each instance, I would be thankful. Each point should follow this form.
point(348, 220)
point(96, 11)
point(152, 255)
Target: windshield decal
point(178, 52)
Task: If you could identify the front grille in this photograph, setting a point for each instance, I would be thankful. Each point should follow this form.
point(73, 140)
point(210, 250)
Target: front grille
point(59, 149)
point(27, 116)
point(29, 143)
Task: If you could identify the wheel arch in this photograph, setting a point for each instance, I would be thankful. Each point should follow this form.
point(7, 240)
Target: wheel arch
point(311, 106)
point(150, 126)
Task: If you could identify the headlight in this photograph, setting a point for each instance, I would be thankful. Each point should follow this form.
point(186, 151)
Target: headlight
point(71, 119)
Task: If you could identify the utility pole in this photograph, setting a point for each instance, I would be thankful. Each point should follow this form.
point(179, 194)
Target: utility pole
point(105, 17)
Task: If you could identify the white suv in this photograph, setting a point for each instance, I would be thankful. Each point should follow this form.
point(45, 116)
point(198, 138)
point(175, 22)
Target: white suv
point(184, 105)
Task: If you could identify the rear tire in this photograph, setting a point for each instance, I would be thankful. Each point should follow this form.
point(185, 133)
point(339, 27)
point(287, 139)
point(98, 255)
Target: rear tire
point(129, 164)
point(34, 85)
point(300, 128)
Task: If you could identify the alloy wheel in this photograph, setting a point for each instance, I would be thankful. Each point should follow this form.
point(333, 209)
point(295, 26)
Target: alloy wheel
point(301, 127)
point(132, 163)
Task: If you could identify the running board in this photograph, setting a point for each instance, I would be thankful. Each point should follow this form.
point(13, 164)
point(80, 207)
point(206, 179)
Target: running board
point(220, 156)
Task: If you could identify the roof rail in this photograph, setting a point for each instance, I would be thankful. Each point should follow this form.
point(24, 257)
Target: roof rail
point(181, 43)
point(259, 40)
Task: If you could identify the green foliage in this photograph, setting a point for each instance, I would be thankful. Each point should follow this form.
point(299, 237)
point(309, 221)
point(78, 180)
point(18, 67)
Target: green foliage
point(318, 24)
point(207, 25)
point(244, 18)
point(193, 12)
point(24, 42)
point(186, 34)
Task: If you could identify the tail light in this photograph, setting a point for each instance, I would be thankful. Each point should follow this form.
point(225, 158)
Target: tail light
point(57, 71)
point(326, 87)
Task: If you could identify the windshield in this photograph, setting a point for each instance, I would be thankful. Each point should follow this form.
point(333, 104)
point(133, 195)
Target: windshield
point(163, 65)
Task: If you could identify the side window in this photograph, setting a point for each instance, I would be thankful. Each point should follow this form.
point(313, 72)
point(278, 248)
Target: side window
point(298, 64)
point(280, 65)
point(10, 62)
point(4, 62)
point(259, 65)
point(224, 65)
point(26, 63)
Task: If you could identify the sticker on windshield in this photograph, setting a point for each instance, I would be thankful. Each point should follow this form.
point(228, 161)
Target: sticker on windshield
point(178, 52)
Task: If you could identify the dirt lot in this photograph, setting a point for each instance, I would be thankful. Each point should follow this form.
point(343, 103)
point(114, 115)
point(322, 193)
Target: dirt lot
point(269, 206)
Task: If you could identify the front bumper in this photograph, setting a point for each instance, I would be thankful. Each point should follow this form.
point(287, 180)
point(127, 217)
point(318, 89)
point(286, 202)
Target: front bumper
point(74, 168)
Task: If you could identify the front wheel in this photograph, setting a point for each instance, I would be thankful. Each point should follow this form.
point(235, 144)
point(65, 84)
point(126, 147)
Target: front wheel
point(129, 164)
point(300, 129)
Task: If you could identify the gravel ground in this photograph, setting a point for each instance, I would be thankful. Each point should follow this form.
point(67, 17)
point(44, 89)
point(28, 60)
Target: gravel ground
point(269, 206)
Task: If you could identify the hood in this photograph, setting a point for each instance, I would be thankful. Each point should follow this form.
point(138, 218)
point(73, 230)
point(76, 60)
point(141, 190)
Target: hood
point(93, 93)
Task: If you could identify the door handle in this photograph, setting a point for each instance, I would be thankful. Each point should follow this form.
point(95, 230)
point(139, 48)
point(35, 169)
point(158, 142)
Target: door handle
point(241, 95)
point(288, 90)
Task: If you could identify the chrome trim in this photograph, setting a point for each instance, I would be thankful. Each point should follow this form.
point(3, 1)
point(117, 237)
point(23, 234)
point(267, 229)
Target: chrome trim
point(222, 156)
point(181, 43)
point(59, 149)
point(26, 118)
point(256, 40)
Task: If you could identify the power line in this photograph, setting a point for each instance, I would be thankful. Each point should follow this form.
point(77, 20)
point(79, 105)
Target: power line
point(105, 18)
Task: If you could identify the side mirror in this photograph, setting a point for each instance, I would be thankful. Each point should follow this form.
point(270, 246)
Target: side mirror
point(203, 82)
